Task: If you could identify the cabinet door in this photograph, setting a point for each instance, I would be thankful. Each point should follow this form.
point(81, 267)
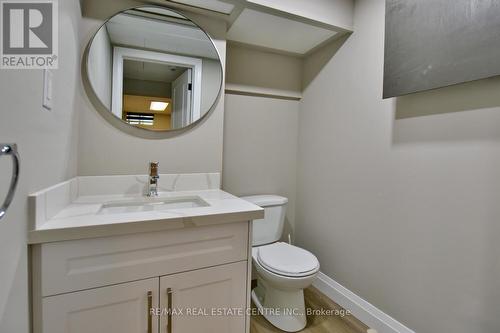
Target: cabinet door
point(122, 308)
point(200, 300)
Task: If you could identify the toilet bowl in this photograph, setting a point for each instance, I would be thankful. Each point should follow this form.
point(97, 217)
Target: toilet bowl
point(282, 274)
point(283, 270)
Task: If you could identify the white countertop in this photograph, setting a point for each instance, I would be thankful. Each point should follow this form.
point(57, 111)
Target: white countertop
point(80, 218)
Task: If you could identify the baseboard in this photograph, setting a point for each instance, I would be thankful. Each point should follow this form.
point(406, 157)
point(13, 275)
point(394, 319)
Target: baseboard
point(361, 309)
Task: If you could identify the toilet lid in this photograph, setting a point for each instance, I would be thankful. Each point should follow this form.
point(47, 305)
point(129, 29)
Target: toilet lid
point(288, 260)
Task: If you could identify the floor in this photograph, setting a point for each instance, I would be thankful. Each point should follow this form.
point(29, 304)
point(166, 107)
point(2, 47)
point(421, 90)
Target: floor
point(315, 323)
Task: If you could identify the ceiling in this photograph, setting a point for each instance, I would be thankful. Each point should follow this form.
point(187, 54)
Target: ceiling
point(151, 71)
point(141, 104)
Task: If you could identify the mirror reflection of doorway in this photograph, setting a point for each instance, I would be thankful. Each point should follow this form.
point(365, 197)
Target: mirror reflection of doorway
point(134, 49)
point(148, 94)
point(182, 110)
point(169, 85)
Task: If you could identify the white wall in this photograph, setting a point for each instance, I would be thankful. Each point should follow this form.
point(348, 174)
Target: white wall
point(399, 198)
point(47, 145)
point(103, 149)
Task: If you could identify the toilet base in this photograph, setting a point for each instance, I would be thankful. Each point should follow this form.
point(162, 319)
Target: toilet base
point(285, 309)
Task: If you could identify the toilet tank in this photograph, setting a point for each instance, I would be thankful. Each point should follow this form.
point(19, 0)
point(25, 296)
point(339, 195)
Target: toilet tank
point(270, 228)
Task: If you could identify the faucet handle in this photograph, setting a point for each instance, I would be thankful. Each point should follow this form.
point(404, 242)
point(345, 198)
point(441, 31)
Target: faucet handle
point(153, 169)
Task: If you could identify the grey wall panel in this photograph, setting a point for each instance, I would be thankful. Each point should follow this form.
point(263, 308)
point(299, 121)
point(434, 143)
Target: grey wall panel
point(436, 43)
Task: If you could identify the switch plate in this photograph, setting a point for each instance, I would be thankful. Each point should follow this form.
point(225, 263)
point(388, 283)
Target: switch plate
point(47, 89)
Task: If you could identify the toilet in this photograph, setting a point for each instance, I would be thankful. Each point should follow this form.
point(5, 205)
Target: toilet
point(283, 270)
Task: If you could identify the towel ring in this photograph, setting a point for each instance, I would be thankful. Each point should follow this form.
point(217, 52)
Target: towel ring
point(10, 149)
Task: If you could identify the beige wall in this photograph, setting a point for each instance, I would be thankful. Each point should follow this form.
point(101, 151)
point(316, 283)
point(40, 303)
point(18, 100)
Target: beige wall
point(260, 148)
point(210, 81)
point(100, 60)
point(399, 198)
point(47, 145)
point(104, 149)
point(260, 133)
point(253, 69)
point(146, 88)
point(334, 12)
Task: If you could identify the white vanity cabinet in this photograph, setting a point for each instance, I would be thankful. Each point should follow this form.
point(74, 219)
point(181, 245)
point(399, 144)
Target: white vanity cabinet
point(120, 308)
point(100, 270)
point(208, 299)
point(109, 284)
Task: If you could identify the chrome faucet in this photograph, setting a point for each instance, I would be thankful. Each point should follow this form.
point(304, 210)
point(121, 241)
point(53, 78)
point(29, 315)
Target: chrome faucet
point(153, 179)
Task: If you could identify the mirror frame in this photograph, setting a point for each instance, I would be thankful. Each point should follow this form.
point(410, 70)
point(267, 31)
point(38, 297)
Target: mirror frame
point(120, 123)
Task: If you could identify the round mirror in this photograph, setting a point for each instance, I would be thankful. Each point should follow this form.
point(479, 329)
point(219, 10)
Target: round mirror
point(153, 68)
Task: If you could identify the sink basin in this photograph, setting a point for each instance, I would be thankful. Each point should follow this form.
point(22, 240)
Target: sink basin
point(152, 204)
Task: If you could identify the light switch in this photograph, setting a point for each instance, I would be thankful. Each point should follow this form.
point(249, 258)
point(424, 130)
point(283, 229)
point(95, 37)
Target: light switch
point(47, 89)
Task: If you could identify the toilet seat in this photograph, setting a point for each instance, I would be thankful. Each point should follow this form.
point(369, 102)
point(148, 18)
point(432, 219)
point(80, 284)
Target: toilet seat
point(287, 260)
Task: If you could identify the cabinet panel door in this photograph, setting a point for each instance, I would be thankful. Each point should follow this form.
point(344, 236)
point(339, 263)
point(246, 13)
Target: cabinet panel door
point(120, 308)
point(202, 296)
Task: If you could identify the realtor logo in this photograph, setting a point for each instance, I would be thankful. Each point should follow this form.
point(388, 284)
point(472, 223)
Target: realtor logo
point(29, 34)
